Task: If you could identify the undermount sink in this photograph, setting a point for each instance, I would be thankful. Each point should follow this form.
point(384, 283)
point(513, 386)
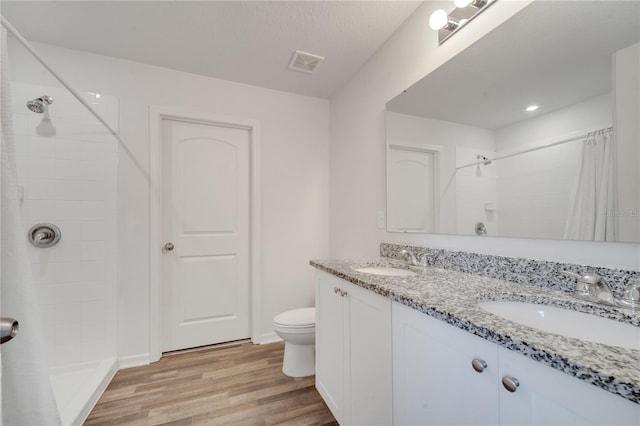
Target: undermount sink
point(387, 271)
point(565, 322)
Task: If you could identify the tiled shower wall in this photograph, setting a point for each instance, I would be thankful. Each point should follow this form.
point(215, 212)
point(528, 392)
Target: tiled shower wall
point(70, 180)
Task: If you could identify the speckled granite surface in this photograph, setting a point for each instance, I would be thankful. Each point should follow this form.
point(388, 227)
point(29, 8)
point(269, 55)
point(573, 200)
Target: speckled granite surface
point(452, 296)
point(514, 269)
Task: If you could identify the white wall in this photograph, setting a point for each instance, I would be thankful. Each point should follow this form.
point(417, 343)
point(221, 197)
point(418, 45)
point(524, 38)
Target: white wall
point(70, 180)
point(357, 150)
point(627, 126)
point(535, 188)
point(294, 174)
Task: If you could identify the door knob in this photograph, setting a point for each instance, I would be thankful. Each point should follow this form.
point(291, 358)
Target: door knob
point(8, 329)
point(169, 246)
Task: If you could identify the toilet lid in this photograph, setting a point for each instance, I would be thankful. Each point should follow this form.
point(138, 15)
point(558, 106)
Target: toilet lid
point(297, 318)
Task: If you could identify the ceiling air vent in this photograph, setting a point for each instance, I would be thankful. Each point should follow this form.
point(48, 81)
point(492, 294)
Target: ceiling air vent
point(304, 62)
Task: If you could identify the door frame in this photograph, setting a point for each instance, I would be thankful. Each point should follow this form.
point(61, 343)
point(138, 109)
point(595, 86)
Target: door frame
point(156, 115)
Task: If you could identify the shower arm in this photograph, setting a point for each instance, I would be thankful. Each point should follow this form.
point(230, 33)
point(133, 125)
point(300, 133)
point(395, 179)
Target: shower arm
point(10, 28)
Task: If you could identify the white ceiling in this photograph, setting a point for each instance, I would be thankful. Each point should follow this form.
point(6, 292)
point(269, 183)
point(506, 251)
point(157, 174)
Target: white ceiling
point(554, 54)
point(245, 41)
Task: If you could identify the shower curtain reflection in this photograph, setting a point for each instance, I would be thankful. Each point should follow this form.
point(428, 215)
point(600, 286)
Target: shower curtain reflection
point(592, 214)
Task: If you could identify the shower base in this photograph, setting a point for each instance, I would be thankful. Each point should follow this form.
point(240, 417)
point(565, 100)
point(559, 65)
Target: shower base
point(77, 388)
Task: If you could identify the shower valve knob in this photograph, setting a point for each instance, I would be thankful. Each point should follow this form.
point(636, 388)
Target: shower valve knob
point(8, 329)
point(44, 235)
point(169, 246)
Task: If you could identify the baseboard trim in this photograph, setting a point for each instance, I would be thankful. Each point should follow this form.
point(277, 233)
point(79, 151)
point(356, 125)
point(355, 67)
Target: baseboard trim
point(268, 338)
point(134, 361)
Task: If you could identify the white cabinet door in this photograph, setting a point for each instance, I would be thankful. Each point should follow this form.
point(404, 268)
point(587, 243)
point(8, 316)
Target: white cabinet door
point(330, 343)
point(434, 382)
point(353, 352)
point(546, 396)
point(368, 349)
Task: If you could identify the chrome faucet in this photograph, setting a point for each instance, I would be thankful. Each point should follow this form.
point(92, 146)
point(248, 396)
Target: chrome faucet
point(413, 260)
point(592, 287)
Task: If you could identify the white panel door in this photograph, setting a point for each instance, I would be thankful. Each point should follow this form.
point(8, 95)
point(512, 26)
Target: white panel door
point(206, 218)
point(411, 190)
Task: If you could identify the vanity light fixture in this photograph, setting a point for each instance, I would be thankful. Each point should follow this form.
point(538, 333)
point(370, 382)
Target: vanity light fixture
point(462, 3)
point(532, 108)
point(439, 20)
point(449, 23)
point(478, 4)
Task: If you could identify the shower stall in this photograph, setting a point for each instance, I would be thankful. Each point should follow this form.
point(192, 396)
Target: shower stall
point(67, 166)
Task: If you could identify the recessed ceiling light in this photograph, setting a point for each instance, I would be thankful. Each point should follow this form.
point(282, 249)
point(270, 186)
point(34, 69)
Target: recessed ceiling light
point(531, 108)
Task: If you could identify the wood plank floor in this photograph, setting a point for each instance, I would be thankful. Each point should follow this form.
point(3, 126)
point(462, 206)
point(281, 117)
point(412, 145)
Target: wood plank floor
point(233, 384)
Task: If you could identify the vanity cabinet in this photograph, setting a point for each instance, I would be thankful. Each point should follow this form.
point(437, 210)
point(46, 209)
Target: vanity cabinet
point(441, 375)
point(546, 396)
point(353, 352)
point(434, 382)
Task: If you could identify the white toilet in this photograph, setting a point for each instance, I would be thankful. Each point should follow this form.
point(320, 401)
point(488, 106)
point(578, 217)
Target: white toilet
point(298, 330)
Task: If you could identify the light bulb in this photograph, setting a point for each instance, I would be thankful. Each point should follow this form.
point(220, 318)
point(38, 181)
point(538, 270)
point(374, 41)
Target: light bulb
point(438, 19)
point(462, 3)
point(531, 108)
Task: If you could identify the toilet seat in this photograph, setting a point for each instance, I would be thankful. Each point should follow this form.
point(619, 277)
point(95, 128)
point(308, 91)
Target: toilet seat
point(296, 318)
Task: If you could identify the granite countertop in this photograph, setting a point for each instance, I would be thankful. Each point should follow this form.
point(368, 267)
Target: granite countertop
point(452, 296)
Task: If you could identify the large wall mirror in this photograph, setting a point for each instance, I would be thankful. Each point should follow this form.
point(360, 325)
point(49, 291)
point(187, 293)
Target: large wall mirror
point(468, 153)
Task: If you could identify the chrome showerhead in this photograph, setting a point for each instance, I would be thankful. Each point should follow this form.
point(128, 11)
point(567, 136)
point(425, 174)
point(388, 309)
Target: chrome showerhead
point(484, 159)
point(39, 105)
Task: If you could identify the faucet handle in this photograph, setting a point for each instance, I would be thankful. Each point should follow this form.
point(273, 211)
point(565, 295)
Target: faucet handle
point(588, 278)
point(584, 283)
point(591, 278)
point(427, 258)
point(631, 295)
point(404, 253)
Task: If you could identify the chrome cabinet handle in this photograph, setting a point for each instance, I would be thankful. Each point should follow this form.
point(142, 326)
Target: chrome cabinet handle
point(510, 383)
point(169, 246)
point(339, 291)
point(479, 365)
point(8, 329)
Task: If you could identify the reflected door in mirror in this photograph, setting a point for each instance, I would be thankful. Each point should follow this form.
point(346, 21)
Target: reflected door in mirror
point(411, 178)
